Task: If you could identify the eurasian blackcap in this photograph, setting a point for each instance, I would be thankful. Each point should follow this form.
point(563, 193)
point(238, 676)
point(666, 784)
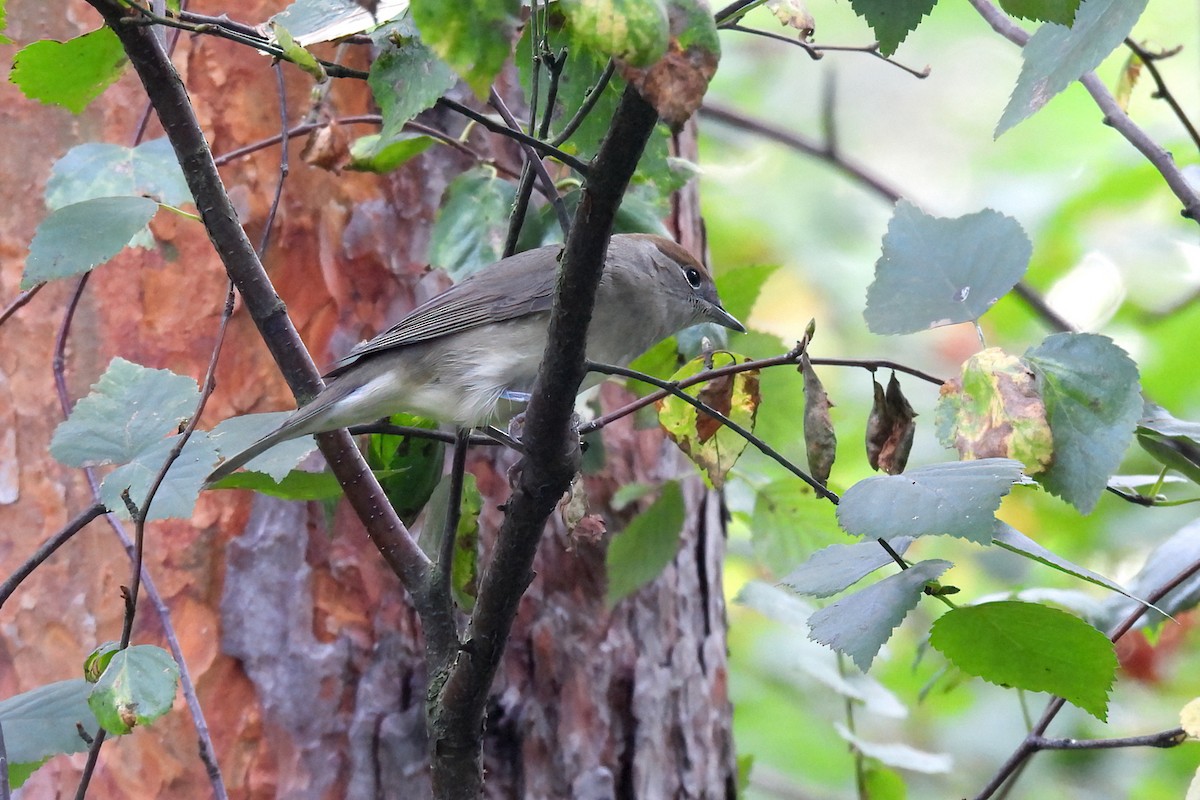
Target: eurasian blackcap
point(457, 356)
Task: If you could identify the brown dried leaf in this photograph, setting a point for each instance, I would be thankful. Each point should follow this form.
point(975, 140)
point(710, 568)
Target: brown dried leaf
point(327, 148)
point(820, 439)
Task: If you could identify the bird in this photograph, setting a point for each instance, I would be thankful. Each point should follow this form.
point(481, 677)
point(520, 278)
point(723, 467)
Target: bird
point(458, 357)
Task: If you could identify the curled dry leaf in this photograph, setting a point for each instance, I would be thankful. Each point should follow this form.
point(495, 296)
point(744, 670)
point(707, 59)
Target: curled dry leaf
point(891, 427)
point(820, 440)
point(794, 14)
point(327, 148)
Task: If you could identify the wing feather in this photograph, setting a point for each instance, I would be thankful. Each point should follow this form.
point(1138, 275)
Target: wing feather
point(516, 286)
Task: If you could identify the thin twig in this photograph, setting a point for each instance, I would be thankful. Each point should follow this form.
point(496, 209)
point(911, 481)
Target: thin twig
point(532, 159)
point(589, 102)
point(817, 51)
point(1163, 91)
point(18, 301)
point(46, 550)
point(545, 148)
point(442, 576)
point(790, 359)
point(1114, 116)
point(1163, 739)
point(728, 116)
point(699, 405)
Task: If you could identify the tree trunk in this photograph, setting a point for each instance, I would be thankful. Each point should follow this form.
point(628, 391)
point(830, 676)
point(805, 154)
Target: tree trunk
point(306, 656)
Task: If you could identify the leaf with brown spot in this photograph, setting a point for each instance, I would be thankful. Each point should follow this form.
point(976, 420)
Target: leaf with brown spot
point(996, 411)
point(675, 84)
point(711, 445)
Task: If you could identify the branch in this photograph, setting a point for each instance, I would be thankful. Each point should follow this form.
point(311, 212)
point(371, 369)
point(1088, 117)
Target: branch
point(674, 389)
point(728, 116)
point(456, 722)
point(47, 549)
point(1164, 739)
point(1163, 91)
point(1028, 745)
point(1114, 116)
point(171, 102)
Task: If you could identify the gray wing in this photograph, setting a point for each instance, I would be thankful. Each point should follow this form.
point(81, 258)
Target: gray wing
point(516, 286)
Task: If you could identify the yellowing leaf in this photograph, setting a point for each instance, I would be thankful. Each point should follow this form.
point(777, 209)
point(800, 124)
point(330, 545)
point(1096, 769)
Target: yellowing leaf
point(996, 411)
point(714, 447)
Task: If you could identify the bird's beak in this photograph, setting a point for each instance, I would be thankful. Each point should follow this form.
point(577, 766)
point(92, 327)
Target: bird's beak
point(723, 317)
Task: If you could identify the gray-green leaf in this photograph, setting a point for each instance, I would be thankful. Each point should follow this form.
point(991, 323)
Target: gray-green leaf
point(1093, 402)
point(130, 409)
point(958, 499)
point(1057, 56)
point(936, 271)
point(859, 624)
point(77, 237)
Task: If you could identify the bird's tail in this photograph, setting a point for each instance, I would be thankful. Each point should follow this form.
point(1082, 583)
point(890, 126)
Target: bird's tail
point(240, 459)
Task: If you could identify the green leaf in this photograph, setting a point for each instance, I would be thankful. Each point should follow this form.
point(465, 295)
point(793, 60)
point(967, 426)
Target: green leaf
point(1093, 401)
point(634, 31)
point(78, 237)
point(995, 411)
point(789, 521)
point(881, 783)
point(464, 565)
point(232, 435)
point(957, 499)
point(296, 485)
point(840, 566)
point(137, 688)
point(416, 465)
point(1058, 11)
point(97, 661)
point(1057, 56)
point(45, 721)
point(1174, 443)
point(296, 53)
point(72, 73)
point(900, 756)
point(313, 21)
point(892, 20)
point(473, 36)
point(936, 271)
point(639, 553)
point(1031, 647)
point(406, 77)
point(378, 154)
point(470, 229)
point(131, 408)
point(3, 24)
point(710, 444)
point(96, 169)
point(859, 624)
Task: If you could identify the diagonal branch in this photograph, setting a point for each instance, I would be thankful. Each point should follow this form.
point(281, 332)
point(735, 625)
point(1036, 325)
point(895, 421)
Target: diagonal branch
point(166, 92)
point(1114, 115)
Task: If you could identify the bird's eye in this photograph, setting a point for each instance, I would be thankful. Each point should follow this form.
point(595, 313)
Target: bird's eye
point(693, 277)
